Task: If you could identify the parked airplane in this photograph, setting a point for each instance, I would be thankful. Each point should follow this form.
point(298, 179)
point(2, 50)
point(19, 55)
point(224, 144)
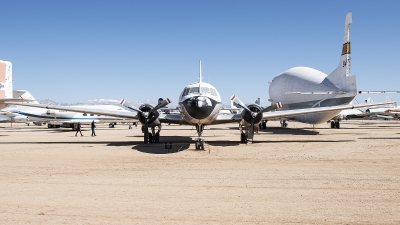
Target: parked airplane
point(59, 118)
point(304, 87)
point(199, 106)
point(383, 112)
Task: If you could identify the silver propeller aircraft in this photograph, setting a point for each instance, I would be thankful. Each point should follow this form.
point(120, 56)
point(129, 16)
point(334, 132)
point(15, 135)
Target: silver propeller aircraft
point(200, 105)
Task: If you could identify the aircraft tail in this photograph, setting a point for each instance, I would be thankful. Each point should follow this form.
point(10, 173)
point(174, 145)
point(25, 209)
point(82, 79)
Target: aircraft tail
point(5, 79)
point(341, 75)
point(23, 94)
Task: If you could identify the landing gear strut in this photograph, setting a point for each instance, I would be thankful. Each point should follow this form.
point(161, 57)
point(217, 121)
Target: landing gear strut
point(247, 135)
point(199, 142)
point(153, 137)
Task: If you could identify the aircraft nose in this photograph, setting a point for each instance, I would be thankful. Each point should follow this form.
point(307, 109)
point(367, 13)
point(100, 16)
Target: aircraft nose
point(199, 107)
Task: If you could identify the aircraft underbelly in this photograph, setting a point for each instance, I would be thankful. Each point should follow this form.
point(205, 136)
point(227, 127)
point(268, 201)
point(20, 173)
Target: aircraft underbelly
point(316, 118)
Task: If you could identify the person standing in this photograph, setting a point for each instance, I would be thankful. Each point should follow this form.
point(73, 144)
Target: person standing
point(93, 126)
point(78, 129)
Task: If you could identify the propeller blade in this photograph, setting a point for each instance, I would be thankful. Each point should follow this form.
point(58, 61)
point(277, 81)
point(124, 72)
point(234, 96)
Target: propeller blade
point(130, 106)
point(161, 105)
point(241, 104)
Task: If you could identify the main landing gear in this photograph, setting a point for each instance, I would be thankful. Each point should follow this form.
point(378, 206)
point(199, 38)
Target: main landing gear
point(244, 135)
point(199, 142)
point(335, 124)
point(153, 137)
point(284, 123)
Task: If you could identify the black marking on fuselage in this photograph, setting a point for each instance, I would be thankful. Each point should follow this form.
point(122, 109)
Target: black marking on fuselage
point(199, 107)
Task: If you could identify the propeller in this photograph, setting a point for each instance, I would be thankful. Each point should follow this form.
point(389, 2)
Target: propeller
point(241, 104)
point(147, 115)
point(254, 115)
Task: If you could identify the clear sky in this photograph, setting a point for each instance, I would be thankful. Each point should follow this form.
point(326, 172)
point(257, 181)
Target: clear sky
point(79, 50)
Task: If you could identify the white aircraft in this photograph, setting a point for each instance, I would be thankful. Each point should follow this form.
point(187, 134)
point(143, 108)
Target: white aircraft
point(304, 87)
point(199, 106)
point(59, 118)
point(383, 112)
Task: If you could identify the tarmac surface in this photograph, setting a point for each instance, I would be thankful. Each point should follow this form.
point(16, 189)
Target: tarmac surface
point(294, 175)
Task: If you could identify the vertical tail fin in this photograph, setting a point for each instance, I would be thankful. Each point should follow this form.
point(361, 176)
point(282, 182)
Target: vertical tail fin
point(5, 79)
point(341, 75)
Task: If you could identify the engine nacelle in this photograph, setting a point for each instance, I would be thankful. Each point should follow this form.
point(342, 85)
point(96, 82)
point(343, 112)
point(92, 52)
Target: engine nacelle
point(247, 118)
point(152, 117)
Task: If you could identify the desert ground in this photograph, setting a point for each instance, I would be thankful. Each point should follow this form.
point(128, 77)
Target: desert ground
point(296, 175)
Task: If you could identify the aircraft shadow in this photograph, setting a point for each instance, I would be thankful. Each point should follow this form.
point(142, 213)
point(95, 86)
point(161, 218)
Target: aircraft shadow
point(302, 141)
point(292, 131)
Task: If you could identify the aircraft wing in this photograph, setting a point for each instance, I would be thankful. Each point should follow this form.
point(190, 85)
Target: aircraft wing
point(299, 112)
point(126, 115)
point(172, 118)
point(12, 100)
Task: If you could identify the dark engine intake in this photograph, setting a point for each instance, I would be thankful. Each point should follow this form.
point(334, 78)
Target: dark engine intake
point(151, 118)
point(248, 118)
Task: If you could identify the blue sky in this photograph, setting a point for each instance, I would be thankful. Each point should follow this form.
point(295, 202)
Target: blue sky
point(73, 50)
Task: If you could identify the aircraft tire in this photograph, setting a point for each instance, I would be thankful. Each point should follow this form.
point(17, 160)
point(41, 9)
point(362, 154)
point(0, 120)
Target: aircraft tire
point(332, 124)
point(243, 137)
point(157, 138)
point(337, 125)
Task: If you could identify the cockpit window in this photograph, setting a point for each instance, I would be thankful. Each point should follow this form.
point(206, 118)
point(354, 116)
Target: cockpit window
point(213, 92)
point(186, 91)
point(205, 90)
point(194, 90)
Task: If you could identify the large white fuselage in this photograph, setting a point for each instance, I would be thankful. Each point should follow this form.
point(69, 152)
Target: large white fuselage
point(296, 88)
point(200, 103)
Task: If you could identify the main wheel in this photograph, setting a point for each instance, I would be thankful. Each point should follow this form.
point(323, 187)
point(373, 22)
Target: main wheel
point(337, 125)
point(332, 124)
point(243, 137)
point(151, 140)
point(157, 138)
point(264, 125)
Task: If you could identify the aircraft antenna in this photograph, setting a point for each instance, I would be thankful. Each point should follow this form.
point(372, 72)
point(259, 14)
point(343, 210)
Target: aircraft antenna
point(200, 76)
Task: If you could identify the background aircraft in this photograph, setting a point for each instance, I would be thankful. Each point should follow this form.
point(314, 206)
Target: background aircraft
point(384, 111)
point(59, 118)
point(304, 87)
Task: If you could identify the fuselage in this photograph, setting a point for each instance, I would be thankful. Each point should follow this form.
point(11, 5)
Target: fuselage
point(200, 103)
point(293, 89)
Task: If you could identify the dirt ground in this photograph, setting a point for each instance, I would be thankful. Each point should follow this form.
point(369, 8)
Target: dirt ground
point(294, 175)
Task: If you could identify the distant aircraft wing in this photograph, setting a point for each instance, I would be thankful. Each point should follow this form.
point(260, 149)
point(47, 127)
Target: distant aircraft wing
point(119, 114)
point(12, 100)
point(299, 112)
